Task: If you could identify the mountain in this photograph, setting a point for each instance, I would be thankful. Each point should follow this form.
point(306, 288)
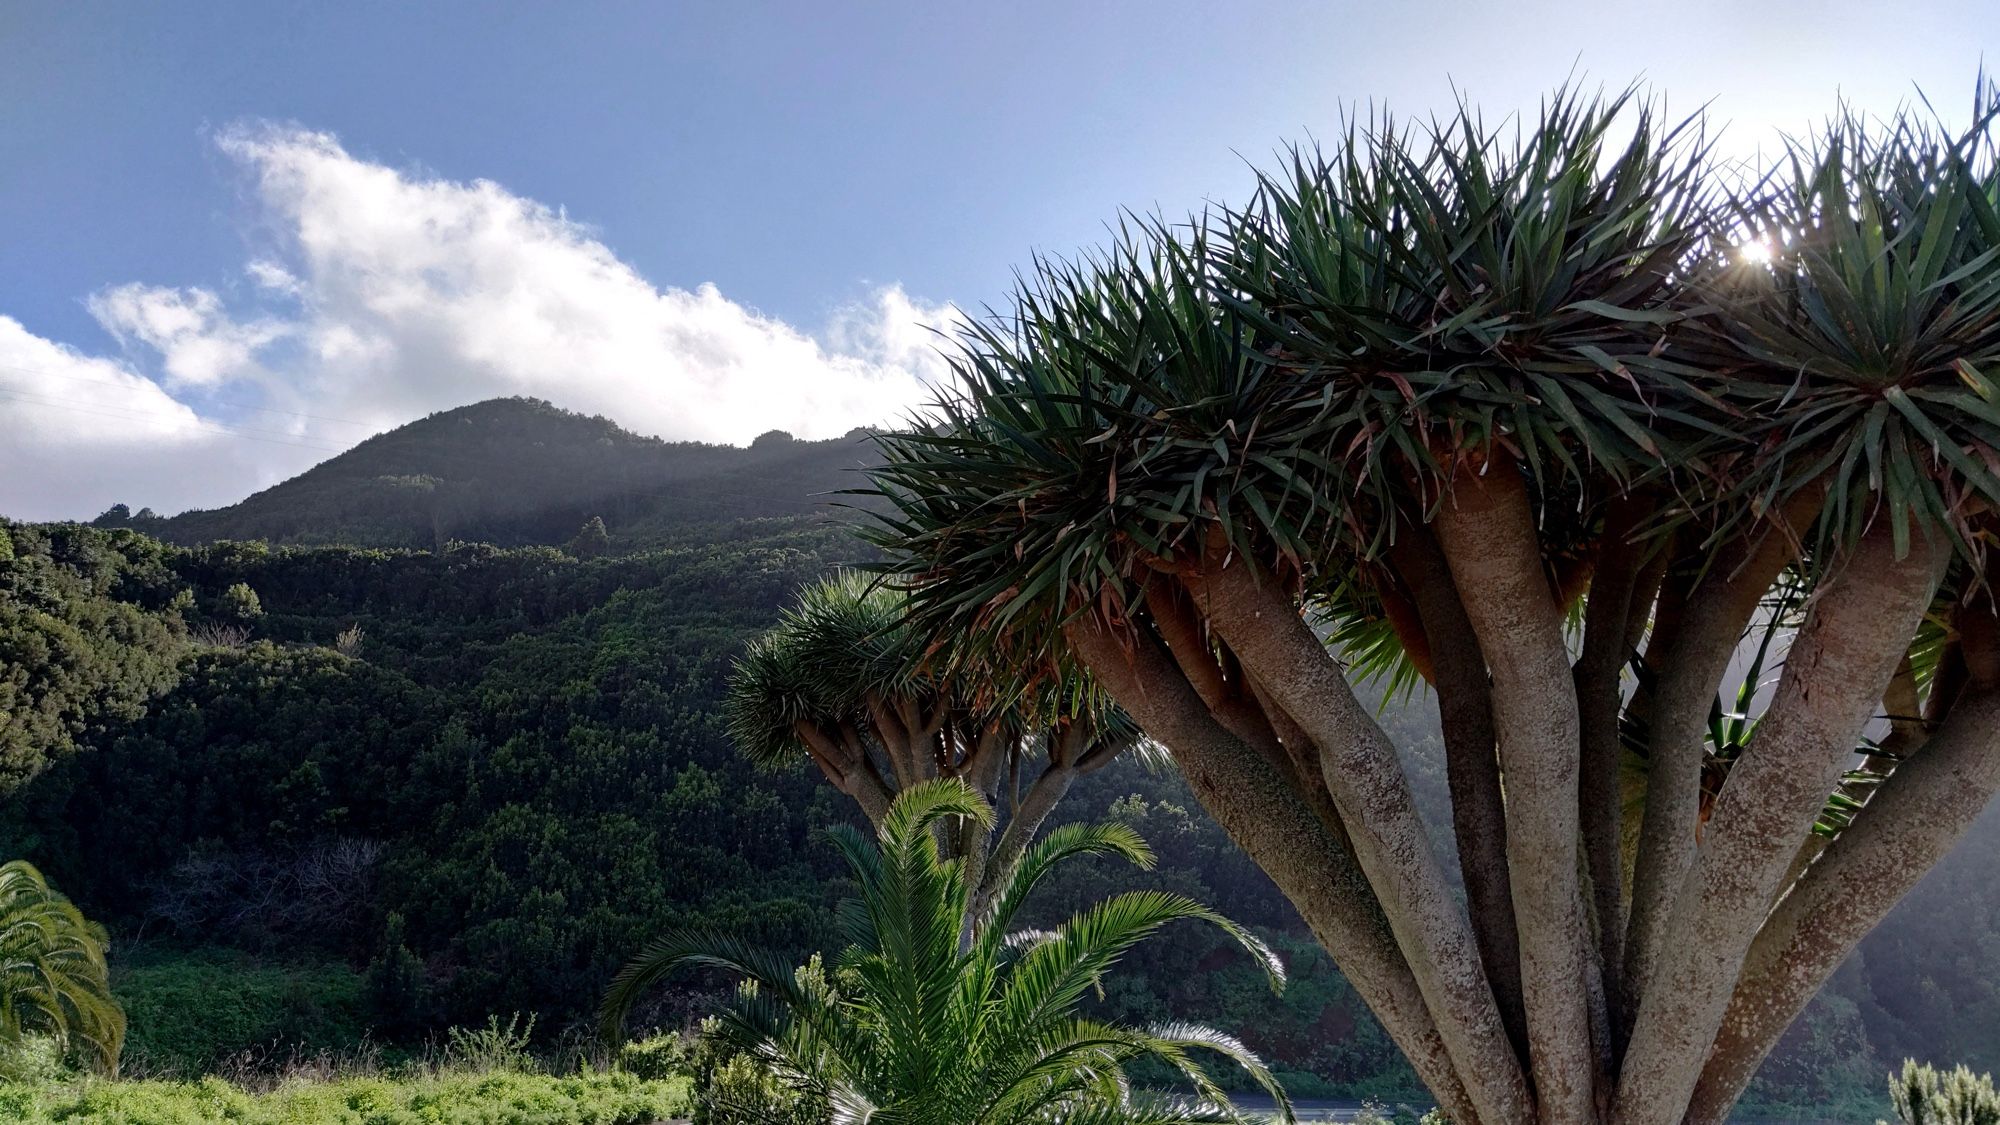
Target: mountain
point(519, 471)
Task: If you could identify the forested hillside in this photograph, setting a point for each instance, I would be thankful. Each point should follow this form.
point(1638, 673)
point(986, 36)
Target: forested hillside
point(424, 786)
point(516, 471)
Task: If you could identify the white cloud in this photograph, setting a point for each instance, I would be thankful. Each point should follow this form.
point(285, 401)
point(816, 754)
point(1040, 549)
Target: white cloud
point(270, 275)
point(389, 294)
point(198, 343)
point(83, 432)
point(895, 331)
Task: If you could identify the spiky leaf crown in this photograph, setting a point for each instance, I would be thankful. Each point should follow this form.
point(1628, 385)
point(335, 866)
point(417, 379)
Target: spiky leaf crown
point(1301, 377)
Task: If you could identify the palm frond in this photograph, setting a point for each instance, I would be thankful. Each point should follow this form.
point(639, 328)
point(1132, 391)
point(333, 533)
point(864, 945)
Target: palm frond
point(54, 978)
point(910, 1026)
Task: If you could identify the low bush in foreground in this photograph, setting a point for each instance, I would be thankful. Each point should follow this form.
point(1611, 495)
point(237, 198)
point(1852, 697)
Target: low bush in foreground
point(1924, 1095)
point(450, 1099)
point(938, 1011)
point(193, 1012)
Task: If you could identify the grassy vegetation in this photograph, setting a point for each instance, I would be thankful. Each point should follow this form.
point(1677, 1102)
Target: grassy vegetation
point(195, 1011)
point(490, 1075)
point(609, 1098)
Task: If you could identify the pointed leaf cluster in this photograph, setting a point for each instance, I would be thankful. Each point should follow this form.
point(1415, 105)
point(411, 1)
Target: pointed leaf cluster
point(914, 1026)
point(53, 976)
point(1300, 379)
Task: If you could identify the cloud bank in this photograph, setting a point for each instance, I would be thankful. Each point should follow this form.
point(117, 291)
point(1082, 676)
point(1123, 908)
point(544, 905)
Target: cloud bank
point(386, 294)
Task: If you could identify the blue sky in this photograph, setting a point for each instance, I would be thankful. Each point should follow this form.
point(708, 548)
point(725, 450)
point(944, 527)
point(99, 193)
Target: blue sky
point(239, 236)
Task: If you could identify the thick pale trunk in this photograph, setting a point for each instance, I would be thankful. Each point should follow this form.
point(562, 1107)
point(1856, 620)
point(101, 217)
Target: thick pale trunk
point(1905, 737)
point(1298, 760)
point(1270, 821)
point(1472, 771)
point(1599, 671)
point(1704, 628)
point(1362, 771)
point(852, 774)
point(1233, 699)
point(1914, 820)
point(1486, 528)
point(1856, 631)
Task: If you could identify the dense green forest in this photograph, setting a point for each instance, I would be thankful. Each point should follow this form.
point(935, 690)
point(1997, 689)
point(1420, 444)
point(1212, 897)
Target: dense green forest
point(334, 778)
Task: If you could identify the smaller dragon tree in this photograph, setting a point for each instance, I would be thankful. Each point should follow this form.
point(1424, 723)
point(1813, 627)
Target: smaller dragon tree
point(880, 707)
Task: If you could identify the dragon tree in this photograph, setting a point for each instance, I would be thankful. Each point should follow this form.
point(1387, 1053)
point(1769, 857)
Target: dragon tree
point(845, 681)
point(1559, 418)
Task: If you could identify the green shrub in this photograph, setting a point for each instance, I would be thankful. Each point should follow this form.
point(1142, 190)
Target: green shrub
point(1922, 1096)
point(399, 993)
point(452, 1099)
point(493, 1048)
point(660, 1056)
point(239, 603)
point(731, 1089)
point(35, 1059)
point(190, 1013)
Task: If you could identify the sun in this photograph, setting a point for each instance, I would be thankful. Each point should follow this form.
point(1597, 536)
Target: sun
point(1755, 252)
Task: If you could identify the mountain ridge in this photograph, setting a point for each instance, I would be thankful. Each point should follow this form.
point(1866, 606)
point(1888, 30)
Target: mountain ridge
point(520, 472)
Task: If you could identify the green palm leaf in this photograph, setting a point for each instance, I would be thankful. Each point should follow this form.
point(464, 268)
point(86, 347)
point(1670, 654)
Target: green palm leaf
point(53, 975)
point(911, 1027)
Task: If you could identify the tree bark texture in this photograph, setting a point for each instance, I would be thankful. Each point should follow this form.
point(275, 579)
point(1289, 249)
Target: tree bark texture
point(1833, 681)
point(1262, 812)
point(1486, 528)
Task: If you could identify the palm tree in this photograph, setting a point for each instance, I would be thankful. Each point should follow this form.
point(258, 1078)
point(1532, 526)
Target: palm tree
point(53, 977)
point(911, 1028)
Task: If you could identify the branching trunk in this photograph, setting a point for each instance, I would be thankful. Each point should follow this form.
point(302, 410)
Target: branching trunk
point(1068, 749)
point(1700, 632)
point(852, 774)
point(1834, 677)
point(1047, 791)
point(1486, 528)
point(1362, 771)
point(1914, 820)
point(1234, 699)
point(1472, 771)
point(981, 770)
point(1599, 695)
point(1266, 817)
point(1179, 625)
point(909, 752)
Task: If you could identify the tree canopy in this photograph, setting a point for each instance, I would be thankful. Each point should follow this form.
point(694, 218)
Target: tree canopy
point(1548, 414)
point(879, 708)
